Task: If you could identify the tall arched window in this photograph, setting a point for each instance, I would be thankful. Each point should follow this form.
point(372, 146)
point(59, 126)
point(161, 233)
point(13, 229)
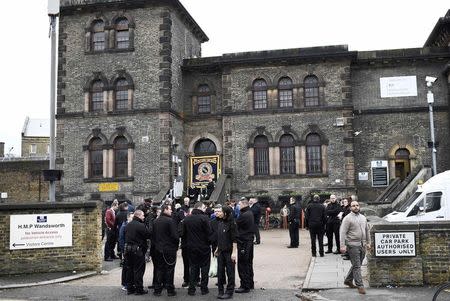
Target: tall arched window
point(285, 92)
point(120, 157)
point(261, 147)
point(313, 154)
point(95, 158)
point(98, 35)
point(287, 154)
point(96, 97)
point(204, 99)
point(121, 94)
point(311, 91)
point(205, 147)
point(259, 94)
point(122, 33)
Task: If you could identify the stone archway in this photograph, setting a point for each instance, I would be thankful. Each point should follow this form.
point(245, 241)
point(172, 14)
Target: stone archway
point(402, 161)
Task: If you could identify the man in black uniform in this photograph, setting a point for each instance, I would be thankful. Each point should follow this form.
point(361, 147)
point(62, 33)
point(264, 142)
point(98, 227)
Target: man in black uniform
point(166, 239)
point(245, 227)
point(315, 221)
point(197, 234)
point(294, 222)
point(136, 235)
point(256, 210)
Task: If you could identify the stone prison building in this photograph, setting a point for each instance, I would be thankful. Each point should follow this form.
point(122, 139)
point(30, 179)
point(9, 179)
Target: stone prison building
point(136, 103)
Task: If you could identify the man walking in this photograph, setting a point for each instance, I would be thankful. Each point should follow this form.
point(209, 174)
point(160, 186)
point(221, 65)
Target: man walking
point(136, 235)
point(166, 239)
point(294, 222)
point(245, 227)
point(354, 239)
point(333, 223)
point(196, 232)
point(315, 222)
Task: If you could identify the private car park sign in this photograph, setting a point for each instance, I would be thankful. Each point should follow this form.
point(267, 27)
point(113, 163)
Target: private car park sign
point(395, 244)
point(34, 231)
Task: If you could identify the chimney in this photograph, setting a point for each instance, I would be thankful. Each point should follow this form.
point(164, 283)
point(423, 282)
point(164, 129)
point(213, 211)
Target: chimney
point(2, 149)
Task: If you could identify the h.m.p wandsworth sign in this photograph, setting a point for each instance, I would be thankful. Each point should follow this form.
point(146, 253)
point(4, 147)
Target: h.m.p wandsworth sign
point(34, 231)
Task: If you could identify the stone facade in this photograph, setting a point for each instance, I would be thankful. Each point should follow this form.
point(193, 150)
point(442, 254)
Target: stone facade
point(84, 255)
point(163, 120)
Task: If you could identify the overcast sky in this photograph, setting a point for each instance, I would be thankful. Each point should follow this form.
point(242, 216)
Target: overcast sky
point(231, 25)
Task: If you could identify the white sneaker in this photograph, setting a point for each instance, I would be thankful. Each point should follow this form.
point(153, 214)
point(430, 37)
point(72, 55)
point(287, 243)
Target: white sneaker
point(124, 288)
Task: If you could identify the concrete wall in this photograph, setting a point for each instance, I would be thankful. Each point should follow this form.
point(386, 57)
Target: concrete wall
point(84, 255)
point(430, 266)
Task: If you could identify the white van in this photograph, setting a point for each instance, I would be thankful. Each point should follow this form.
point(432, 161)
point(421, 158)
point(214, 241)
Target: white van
point(431, 202)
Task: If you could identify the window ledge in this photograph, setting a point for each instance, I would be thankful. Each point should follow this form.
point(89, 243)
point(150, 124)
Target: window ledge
point(287, 176)
point(112, 50)
point(104, 180)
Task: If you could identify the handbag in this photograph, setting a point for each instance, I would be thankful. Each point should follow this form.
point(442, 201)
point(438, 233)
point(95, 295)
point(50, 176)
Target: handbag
point(213, 267)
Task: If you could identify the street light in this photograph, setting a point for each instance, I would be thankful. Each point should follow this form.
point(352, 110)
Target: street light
point(430, 99)
point(53, 12)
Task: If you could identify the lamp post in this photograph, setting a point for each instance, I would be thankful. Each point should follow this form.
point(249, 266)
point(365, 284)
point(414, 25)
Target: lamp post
point(53, 12)
point(430, 99)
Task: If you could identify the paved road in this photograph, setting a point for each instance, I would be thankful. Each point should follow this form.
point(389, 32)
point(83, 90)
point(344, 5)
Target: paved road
point(279, 273)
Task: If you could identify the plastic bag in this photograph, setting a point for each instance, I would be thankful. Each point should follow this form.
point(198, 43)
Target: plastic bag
point(213, 267)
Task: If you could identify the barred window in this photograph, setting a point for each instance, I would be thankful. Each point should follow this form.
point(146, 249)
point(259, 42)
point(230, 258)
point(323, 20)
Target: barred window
point(261, 148)
point(313, 154)
point(285, 92)
point(95, 158)
point(259, 94)
point(98, 35)
point(96, 99)
point(122, 34)
point(121, 93)
point(287, 154)
point(204, 99)
point(120, 157)
point(204, 147)
point(311, 91)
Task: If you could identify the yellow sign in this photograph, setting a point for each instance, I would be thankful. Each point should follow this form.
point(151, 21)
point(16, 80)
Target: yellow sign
point(103, 187)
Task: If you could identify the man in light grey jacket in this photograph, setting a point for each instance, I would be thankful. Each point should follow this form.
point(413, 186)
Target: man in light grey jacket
point(355, 239)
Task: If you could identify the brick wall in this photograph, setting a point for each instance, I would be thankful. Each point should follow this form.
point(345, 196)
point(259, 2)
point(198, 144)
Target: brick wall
point(430, 266)
point(23, 180)
point(84, 255)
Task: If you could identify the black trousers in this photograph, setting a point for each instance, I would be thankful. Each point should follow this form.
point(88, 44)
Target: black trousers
point(110, 243)
point(333, 228)
point(245, 263)
point(184, 255)
point(257, 235)
point(293, 234)
point(225, 267)
point(316, 233)
point(199, 269)
point(165, 270)
point(135, 261)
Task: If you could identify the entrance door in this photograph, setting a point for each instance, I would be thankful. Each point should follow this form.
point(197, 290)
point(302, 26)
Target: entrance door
point(402, 163)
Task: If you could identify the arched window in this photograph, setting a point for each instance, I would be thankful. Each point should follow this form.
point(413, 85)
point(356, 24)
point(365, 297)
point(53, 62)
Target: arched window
point(313, 154)
point(285, 92)
point(287, 154)
point(98, 36)
point(311, 91)
point(121, 94)
point(259, 94)
point(261, 148)
point(96, 97)
point(204, 99)
point(95, 158)
point(120, 157)
point(122, 33)
point(205, 147)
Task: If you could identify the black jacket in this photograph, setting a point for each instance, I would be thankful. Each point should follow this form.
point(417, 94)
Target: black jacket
point(245, 225)
point(165, 234)
point(332, 212)
point(256, 210)
point(121, 217)
point(294, 214)
point(226, 234)
point(315, 215)
point(137, 234)
point(196, 232)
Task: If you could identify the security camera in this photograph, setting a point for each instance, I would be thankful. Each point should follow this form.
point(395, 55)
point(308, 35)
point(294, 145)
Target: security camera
point(430, 80)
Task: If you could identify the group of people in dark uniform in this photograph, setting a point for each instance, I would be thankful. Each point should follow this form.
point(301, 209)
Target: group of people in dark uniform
point(227, 237)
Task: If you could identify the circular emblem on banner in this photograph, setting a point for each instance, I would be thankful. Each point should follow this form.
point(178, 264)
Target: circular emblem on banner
point(205, 171)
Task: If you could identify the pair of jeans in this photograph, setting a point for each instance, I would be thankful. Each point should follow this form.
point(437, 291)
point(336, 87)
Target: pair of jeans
point(165, 269)
point(199, 269)
point(356, 254)
point(316, 233)
point(245, 263)
point(135, 269)
point(293, 233)
point(225, 266)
